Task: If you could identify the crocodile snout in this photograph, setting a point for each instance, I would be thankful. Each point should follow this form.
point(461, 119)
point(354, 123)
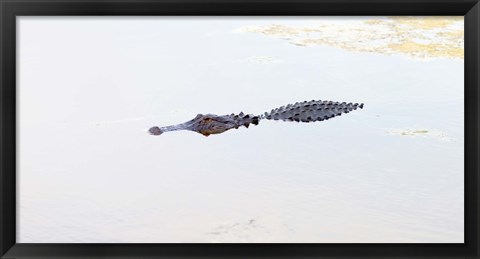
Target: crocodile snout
point(155, 131)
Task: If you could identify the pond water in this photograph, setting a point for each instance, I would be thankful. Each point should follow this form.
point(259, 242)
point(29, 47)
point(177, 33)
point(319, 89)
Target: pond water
point(88, 171)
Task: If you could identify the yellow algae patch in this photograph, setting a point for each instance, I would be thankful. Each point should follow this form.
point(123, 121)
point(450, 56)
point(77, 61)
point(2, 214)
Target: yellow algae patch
point(260, 60)
point(414, 37)
point(454, 35)
point(274, 29)
point(419, 133)
point(427, 50)
point(412, 132)
point(427, 22)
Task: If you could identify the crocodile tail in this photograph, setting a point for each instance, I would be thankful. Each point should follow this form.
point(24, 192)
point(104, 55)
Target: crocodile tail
point(310, 111)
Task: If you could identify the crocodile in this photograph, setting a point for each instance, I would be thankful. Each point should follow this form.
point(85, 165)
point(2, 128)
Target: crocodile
point(307, 111)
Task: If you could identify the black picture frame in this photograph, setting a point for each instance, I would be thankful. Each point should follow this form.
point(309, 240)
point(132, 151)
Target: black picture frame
point(10, 9)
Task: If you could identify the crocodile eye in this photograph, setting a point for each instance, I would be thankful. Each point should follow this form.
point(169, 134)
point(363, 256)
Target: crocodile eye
point(206, 120)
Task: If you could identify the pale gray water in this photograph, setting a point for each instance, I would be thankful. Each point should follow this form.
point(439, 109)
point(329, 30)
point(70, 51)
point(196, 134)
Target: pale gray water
point(89, 88)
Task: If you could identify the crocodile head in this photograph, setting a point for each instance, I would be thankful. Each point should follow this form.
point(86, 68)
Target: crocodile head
point(209, 124)
point(213, 124)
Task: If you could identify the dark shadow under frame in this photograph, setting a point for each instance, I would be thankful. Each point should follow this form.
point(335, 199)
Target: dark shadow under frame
point(9, 9)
